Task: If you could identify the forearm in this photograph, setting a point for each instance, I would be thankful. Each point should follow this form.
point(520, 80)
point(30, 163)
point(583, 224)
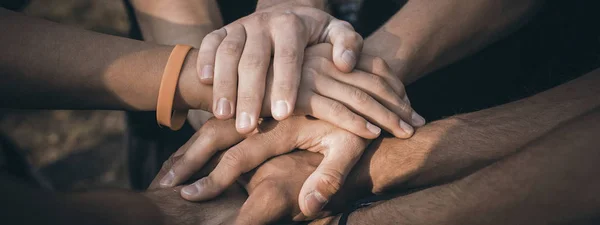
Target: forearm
point(454, 147)
point(21, 204)
point(428, 34)
point(319, 4)
point(50, 66)
point(551, 181)
point(177, 22)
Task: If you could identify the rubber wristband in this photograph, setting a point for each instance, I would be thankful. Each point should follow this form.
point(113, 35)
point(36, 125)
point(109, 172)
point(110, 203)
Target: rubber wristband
point(165, 115)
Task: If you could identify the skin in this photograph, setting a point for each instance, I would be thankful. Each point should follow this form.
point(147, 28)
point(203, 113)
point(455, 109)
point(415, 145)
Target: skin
point(426, 35)
point(314, 136)
point(157, 206)
point(117, 73)
point(440, 152)
point(237, 59)
point(97, 71)
point(182, 22)
point(546, 182)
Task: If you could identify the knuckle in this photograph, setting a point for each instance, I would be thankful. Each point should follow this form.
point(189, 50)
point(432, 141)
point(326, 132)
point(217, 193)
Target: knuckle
point(262, 17)
point(288, 55)
point(404, 108)
point(190, 159)
point(380, 66)
point(379, 83)
point(252, 62)
point(357, 38)
point(289, 19)
point(224, 84)
point(248, 98)
point(359, 97)
point(209, 129)
point(231, 48)
point(167, 164)
point(345, 24)
point(286, 87)
point(309, 74)
point(331, 180)
point(232, 159)
point(336, 109)
point(214, 37)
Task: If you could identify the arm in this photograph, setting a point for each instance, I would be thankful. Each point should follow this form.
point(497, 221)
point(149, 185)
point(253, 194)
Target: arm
point(428, 34)
point(450, 148)
point(21, 204)
point(550, 181)
point(317, 4)
point(179, 22)
point(46, 65)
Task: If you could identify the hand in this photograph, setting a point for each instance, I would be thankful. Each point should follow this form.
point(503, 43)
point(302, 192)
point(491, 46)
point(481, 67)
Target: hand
point(245, 47)
point(372, 91)
point(340, 148)
point(179, 211)
point(274, 187)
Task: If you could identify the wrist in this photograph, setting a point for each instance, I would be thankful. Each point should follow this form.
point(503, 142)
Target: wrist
point(391, 163)
point(191, 94)
point(318, 4)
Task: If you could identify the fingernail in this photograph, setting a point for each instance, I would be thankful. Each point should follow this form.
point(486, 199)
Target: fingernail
point(417, 119)
point(207, 72)
point(406, 127)
point(167, 180)
point(223, 107)
point(280, 109)
point(349, 58)
point(243, 121)
point(315, 202)
point(190, 190)
point(374, 129)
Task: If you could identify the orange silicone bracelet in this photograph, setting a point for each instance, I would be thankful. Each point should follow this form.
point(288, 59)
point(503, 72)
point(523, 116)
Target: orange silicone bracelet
point(165, 115)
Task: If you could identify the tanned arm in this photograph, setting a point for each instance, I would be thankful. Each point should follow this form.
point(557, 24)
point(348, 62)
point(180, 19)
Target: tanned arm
point(448, 149)
point(550, 181)
point(49, 66)
point(318, 4)
point(428, 34)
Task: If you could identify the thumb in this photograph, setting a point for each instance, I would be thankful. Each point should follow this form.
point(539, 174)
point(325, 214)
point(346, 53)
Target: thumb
point(329, 176)
point(347, 44)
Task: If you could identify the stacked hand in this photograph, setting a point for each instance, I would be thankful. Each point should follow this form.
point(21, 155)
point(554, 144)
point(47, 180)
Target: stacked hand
point(237, 59)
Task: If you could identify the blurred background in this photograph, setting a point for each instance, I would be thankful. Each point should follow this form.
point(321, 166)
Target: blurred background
point(73, 150)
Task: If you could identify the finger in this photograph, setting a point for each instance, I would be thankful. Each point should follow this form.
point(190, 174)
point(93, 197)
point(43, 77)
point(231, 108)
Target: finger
point(239, 159)
point(378, 66)
point(343, 151)
point(361, 102)
point(168, 164)
point(226, 76)
point(337, 114)
point(289, 40)
point(267, 204)
point(205, 63)
point(347, 44)
point(214, 136)
point(378, 89)
point(254, 65)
